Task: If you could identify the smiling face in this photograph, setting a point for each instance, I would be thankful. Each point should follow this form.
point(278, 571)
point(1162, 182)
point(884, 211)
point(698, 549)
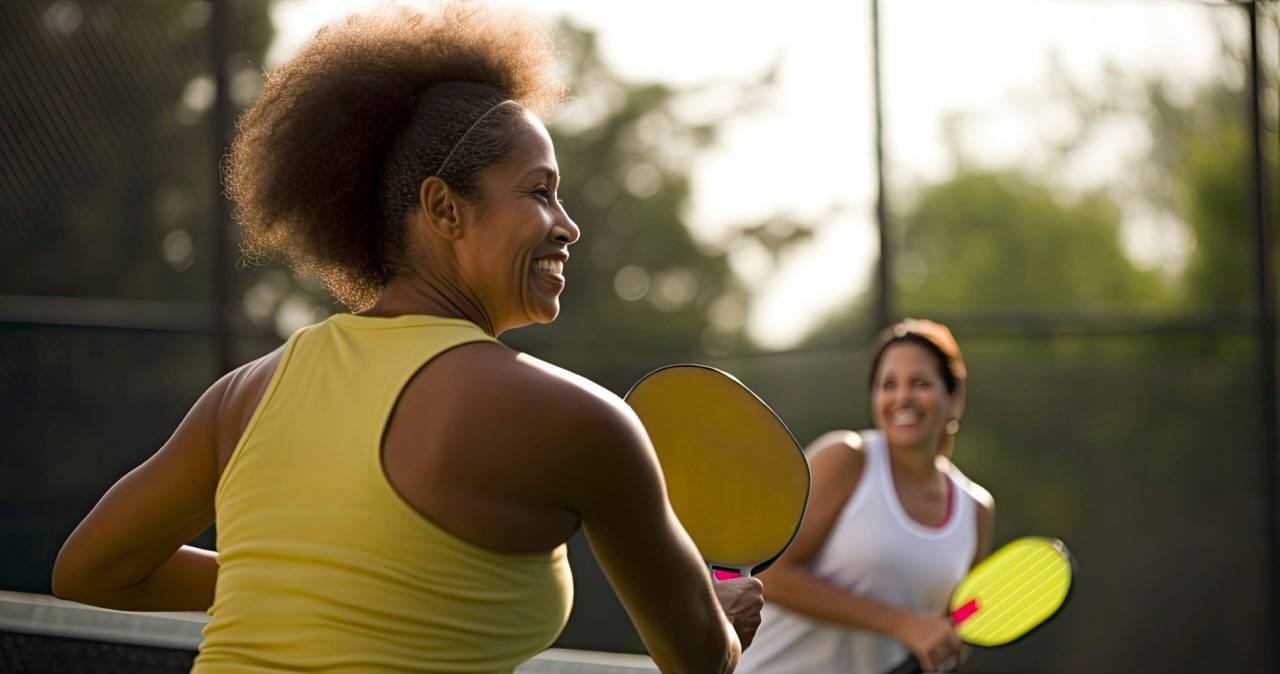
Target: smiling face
point(513, 250)
point(909, 397)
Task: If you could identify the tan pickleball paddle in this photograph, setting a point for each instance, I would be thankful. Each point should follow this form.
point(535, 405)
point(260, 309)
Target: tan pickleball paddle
point(736, 477)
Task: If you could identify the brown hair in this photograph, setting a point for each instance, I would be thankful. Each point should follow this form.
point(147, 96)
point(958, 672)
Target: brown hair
point(327, 162)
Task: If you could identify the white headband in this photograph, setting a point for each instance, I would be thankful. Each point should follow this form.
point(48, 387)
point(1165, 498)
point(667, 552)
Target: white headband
point(467, 132)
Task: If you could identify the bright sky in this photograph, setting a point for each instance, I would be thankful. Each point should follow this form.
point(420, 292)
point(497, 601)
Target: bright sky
point(811, 155)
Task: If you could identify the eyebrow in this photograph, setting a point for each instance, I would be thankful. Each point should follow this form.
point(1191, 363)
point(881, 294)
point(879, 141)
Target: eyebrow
point(542, 171)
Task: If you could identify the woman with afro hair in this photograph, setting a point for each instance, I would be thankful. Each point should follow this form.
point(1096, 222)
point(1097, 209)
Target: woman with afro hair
point(393, 489)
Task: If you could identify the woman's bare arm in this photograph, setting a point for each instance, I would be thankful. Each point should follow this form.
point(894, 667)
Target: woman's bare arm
point(618, 491)
point(130, 552)
point(836, 462)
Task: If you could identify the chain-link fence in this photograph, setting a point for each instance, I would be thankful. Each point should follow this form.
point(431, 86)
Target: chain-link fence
point(1143, 434)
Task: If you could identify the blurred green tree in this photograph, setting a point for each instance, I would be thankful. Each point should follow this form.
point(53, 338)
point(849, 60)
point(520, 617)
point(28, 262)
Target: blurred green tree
point(1104, 408)
point(1205, 147)
point(989, 239)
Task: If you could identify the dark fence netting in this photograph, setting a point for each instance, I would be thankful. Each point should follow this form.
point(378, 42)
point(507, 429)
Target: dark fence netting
point(1122, 407)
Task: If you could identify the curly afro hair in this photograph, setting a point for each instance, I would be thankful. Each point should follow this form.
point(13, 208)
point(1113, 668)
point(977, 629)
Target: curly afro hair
point(327, 161)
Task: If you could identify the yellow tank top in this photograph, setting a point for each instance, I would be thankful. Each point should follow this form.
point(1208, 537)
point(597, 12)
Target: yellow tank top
point(322, 566)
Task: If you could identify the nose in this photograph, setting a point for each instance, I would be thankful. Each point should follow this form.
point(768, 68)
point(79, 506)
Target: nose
point(565, 229)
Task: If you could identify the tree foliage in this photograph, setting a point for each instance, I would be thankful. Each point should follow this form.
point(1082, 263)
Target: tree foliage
point(1205, 148)
point(1006, 240)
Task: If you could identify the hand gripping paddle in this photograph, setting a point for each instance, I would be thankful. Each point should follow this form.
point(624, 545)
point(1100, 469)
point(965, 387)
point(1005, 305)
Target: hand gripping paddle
point(736, 477)
point(1014, 590)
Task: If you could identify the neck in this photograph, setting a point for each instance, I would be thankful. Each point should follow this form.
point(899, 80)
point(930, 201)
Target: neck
point(915, 461)
point(419, 294)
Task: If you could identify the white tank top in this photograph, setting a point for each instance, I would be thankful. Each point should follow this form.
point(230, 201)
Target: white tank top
point(874, 550)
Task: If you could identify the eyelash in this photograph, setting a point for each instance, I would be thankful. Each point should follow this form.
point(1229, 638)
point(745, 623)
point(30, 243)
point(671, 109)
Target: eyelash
point(545, 193)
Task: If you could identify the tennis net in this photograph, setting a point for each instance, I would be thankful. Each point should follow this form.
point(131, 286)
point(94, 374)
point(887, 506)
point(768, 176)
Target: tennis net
point(42, 634)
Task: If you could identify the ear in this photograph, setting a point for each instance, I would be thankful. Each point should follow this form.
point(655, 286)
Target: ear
point(957, 400)
point(439, 208)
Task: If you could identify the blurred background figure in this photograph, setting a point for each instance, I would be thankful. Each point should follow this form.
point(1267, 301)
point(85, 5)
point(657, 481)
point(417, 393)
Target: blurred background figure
point(892, 526)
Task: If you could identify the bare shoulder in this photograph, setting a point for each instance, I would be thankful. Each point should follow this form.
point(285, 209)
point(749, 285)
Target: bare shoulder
point(233, 399)
point(977, 492)
point(499, 380)
point(239, 391)
point(254, 374)
point(836, 462)
point(841, 438)
point(842, 448)
point(562, 439)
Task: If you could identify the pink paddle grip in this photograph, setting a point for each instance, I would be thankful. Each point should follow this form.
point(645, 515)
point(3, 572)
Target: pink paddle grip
point(964, 612)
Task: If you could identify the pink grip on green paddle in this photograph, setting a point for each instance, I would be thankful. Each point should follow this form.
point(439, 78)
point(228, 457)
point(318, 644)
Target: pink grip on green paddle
point(964, 612)
point(1012, 591)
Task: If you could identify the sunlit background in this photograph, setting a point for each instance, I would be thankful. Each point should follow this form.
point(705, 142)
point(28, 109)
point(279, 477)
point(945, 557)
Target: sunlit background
point(1069, 184)
point(984, 80)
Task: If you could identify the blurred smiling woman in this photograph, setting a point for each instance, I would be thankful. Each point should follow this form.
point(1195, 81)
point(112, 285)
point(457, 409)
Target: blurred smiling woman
point(393, 488)
point(892, 526)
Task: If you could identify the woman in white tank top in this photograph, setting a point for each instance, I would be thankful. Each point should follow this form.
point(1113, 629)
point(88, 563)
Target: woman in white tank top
point(892, 526)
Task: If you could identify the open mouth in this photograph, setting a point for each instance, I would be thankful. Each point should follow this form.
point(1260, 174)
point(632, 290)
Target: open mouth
point(550, 266)
point(905, 417)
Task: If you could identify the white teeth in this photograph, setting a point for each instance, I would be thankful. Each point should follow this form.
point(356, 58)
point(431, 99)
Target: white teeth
point(549, 265)
point(905, 416)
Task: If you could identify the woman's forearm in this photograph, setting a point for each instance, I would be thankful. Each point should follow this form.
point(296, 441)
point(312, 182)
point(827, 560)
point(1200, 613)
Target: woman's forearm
point(800, 591)
point(183, 582)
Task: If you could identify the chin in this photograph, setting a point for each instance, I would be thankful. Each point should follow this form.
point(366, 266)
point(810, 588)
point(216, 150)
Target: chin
point(545, 315)
point(904, 435)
